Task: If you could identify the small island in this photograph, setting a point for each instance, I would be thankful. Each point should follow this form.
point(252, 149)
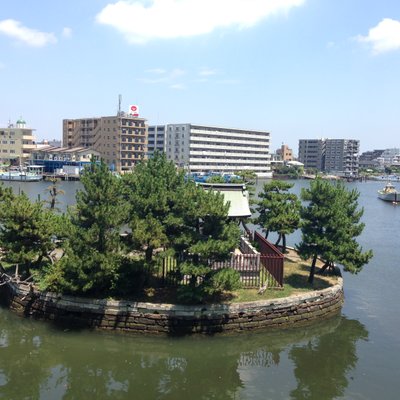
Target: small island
point(153, 251)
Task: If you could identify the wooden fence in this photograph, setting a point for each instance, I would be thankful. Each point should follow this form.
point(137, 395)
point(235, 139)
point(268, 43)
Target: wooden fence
point(264, 268)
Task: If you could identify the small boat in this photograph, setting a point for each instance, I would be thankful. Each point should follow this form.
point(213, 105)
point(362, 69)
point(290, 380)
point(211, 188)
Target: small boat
point(389, 193)
point(31, 174)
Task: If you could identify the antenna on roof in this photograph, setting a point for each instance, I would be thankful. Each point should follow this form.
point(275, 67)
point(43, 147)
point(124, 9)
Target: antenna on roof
point(119, 104)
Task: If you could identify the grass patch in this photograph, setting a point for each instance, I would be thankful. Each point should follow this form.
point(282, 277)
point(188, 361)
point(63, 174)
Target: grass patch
point(295, 281)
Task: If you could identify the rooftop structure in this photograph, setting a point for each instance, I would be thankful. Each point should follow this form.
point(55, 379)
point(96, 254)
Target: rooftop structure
point(235, 194)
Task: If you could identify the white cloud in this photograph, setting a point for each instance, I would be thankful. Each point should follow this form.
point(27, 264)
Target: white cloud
point(383, 37)
point(141, 22)
point(178, 86)
point(67, 32)
point(31, 37)
point(207, 72)
point(157, 71)
point(160, 75)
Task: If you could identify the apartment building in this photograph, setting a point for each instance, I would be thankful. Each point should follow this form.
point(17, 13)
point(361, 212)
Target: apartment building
point(311, 153)
point(201, 148)
point(120, 139)
point(334, 156)
point(16, 143)
point(156, 139)
point(341, 157)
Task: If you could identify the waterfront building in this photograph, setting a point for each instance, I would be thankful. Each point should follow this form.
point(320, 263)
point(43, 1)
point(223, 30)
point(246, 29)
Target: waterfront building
point(334, 156)
point(121, 140)
point(311, 153)
point(16, 143)
point(341, 157)
point(201, 148)
point(369, 159)
point(389, 157)
point(62, 159)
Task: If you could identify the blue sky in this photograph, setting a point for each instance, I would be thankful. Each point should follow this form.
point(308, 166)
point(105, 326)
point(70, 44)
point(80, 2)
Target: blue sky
point(297, 68)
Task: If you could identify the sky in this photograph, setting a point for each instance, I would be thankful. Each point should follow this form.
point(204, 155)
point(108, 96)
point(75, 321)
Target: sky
point(300, 69)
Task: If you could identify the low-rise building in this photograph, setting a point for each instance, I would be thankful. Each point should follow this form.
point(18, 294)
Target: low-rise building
point(56, 159)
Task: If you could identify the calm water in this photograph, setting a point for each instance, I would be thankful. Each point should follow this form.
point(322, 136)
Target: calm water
point(355, 355)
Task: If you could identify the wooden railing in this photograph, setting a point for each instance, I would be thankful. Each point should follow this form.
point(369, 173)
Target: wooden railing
point(271, 259)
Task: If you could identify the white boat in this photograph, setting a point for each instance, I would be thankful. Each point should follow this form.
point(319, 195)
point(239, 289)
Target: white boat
point(32, 174)
point(389, 193)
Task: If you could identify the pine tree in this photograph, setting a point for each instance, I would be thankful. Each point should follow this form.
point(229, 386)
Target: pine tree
point(151, 191)
point(27, 232)
point(279, 210)
point(204, 234)
point(93, 251)
point(330, 226)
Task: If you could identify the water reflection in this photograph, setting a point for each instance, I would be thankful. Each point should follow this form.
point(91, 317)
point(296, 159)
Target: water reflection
point(38, 362)
point(323, 364)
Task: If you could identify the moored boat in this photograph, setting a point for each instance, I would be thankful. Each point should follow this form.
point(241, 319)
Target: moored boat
point(33, 173)
point(389, 193)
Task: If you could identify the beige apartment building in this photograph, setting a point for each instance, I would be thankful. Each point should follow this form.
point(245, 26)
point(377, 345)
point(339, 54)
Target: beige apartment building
point(16, 143)
point(121, 139)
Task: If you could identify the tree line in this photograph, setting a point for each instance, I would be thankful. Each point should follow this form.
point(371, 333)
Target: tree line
point(329, 219)
point(112, 242)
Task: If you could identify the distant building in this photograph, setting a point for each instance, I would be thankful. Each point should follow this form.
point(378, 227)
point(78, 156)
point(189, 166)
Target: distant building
point(121, 140)
point(335, 156)
point(16, 143)
point(56, 159)
point(52, 143)
point(341, 157)
point(156, 139)
point(201, 148)
point(311, 153)
point(369, 159)
point(388, 157)
point(285, 153)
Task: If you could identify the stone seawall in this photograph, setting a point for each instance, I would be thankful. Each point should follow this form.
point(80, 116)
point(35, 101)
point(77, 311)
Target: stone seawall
point(170, 318)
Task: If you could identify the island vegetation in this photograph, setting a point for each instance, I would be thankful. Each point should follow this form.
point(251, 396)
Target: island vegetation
point(123, 229)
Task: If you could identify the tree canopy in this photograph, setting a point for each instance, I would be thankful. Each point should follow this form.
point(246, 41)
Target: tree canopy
point(27, 231)
point(279, 210)
point(93, 234)
point(330, 226)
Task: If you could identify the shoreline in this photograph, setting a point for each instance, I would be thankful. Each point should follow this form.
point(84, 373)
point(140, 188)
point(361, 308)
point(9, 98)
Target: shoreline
point(172, 319)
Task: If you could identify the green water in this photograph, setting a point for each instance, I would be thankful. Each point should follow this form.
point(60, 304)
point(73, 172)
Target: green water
point(355, 355)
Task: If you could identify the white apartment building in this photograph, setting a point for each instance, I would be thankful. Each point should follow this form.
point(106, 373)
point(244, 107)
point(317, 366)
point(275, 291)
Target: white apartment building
point(202, 148)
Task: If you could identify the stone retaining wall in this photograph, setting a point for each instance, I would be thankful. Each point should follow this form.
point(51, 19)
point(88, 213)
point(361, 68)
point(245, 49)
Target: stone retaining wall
point(169, 318)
